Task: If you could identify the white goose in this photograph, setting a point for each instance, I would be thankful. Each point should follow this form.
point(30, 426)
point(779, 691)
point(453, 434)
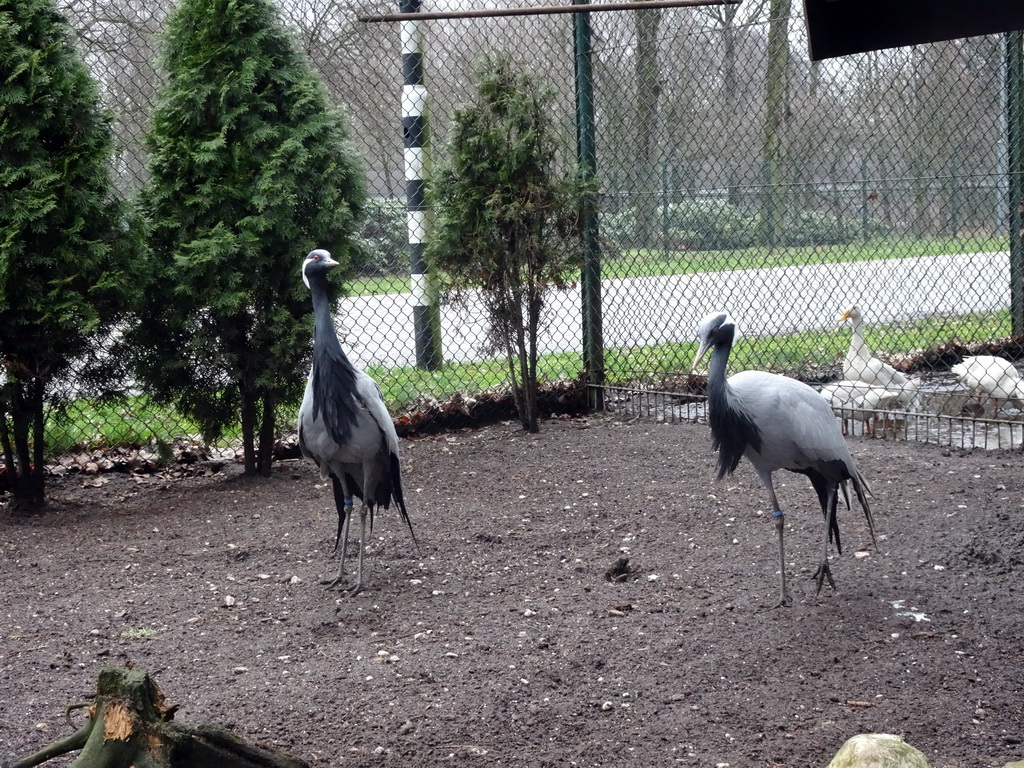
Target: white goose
point(860, 365)
point(992, 376)
point(857, 400)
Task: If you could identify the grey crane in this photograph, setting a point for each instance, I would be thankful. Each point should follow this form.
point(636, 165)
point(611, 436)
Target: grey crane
point(344, 426)
point(778, 423)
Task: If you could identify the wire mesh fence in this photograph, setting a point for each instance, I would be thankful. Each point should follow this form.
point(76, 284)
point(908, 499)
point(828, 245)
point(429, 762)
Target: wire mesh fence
point(734, 175)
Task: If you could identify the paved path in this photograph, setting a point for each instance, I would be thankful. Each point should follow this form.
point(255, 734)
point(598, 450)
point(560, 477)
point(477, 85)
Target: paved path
point(652, 310)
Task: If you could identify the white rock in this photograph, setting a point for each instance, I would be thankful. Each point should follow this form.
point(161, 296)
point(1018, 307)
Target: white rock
point(878, 750)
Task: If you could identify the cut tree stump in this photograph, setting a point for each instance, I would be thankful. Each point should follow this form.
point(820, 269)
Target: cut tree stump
point(129, 725)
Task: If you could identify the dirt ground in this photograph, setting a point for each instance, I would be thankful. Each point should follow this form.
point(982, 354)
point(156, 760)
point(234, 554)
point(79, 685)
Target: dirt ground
point(501, 641)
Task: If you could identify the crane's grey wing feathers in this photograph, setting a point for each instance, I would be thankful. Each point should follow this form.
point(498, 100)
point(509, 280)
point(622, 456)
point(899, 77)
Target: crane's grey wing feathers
point(797, 426)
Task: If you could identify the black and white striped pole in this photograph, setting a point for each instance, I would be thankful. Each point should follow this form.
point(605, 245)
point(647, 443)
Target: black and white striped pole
point(426, 314)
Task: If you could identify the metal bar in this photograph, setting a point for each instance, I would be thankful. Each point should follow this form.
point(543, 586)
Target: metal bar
point(542, 11)
point(590, 282)
point(1015, 137)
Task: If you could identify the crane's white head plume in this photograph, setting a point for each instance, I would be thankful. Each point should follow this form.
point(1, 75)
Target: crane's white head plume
point(710, 330)
point(318, 259)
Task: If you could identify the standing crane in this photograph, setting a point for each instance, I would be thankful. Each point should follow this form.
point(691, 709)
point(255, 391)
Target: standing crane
point(344, 426)
point(778, 423)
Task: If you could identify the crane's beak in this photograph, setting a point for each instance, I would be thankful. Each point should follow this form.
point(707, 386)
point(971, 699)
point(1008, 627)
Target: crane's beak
point(701, 351)
point(844, 317)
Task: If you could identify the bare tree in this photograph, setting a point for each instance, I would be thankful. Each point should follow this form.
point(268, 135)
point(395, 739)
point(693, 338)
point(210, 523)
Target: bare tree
point(776, 116)
point(645, 129)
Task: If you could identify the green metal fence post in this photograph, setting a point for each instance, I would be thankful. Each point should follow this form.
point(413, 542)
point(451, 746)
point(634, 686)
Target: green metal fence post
point(864, 200)
point(1014, 136)
point(590, 284)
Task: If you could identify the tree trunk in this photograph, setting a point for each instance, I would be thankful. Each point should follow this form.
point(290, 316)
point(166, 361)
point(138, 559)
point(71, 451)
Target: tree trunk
point(38, 443)
point(730, 91)
point(267, 424)
point(776, 114)
point(533, 326)
point(523, 397)
point(648, 88)
point(248, 431)
point(24, 456)
point(129, 725)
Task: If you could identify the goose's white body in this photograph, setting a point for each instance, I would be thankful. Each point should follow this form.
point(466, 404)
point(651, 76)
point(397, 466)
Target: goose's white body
point(858, 400)
point(992, 376)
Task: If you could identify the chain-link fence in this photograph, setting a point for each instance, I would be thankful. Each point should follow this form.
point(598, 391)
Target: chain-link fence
point(734, 174)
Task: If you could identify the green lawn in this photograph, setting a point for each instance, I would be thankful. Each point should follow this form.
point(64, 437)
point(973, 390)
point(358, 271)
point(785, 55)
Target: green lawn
point(651, 262)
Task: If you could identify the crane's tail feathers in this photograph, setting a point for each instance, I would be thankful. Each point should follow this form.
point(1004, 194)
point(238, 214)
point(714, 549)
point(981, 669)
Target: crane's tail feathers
point(846, 493)
point(833, 520)
point(863, 490)
point(399, 496)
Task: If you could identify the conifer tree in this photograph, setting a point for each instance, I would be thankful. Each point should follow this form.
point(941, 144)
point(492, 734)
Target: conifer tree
point(250, 170)
point(69, 246)
point(508, 218)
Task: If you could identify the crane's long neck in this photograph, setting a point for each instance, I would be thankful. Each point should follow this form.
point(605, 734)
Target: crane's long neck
point(718, 386)
point(334, 379)
point(733, 430)
point(325, 337)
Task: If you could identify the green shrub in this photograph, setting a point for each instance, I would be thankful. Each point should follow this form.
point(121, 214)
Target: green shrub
point(384, 239)
point(814, 228)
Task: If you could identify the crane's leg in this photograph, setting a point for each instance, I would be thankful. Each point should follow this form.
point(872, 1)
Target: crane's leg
point(343, 503)
point(362, 546)
point(780, 526)
point(829, 509)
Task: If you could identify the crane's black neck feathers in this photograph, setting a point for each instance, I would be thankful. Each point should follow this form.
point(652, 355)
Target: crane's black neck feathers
point(732, 430)
point(335, 396)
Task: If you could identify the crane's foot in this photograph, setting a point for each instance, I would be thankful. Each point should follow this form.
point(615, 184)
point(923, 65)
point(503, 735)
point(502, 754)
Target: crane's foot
point(823, 572)
point(339, 581)
point(353, 591)
point(784, 601)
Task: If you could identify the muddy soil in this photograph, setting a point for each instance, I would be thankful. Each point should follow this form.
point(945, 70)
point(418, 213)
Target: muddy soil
point(508, 638)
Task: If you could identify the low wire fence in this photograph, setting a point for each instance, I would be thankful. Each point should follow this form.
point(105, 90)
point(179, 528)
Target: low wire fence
point(878, 180)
